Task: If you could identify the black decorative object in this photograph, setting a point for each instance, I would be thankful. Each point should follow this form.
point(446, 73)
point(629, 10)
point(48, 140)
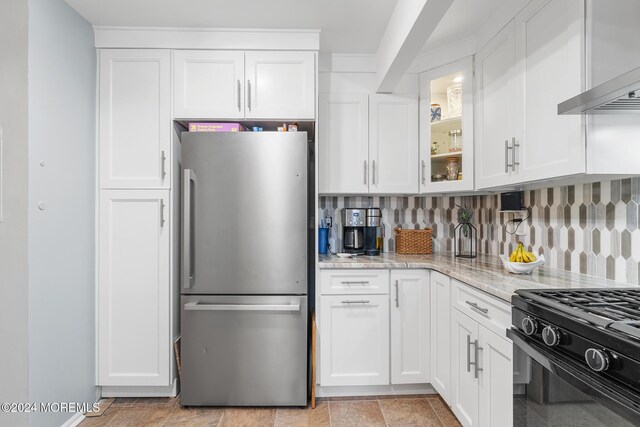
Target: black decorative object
point(465, 239)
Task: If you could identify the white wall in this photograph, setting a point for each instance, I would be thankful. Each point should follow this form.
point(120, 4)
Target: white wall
point(13, 204)
point(62, 82)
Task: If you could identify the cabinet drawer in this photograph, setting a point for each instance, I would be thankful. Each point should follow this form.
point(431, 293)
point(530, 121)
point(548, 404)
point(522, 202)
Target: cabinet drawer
point(490, 312)
point(337, 282)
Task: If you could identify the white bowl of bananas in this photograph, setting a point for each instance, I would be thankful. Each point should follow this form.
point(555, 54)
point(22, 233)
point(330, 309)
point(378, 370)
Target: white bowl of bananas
point(521, 261)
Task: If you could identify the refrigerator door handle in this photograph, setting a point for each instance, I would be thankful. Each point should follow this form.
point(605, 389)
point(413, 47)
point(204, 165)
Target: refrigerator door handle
point(197, 306)
point(188, 268)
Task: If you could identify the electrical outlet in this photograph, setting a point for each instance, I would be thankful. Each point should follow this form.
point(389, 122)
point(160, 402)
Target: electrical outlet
point(328, 221)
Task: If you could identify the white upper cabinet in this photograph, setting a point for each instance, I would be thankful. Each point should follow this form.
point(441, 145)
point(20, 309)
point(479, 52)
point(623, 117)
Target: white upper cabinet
point(393, 144)
point(368, 148)
point(280, 85)
point(235, 85)
point(343, 152)
point(208, 84)
point(523, 73)
point(446, 128)
point(134, 342)
point(134, 118)
point(409, 301)
point(496, 103)
point(550, 59)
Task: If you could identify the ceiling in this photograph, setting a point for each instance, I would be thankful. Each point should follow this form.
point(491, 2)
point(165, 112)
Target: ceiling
point(353, 26)
point(463, 20)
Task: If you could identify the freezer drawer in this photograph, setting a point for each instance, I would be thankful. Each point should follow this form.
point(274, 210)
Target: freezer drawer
point(244, 350)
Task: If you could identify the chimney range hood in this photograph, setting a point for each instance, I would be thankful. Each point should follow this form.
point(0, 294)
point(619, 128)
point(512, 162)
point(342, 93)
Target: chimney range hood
point(617, 96)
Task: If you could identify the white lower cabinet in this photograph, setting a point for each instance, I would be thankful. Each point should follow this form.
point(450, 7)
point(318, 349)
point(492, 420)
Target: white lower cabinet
point(496, 380)
point(441, 334)
point(354, 340)
point(134, 342)
point(482, 374)
point(409, 298)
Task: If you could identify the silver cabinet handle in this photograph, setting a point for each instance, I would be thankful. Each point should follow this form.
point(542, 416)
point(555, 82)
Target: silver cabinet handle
point(469, 353)
point(513, 154)
point(360, 282)
point(424, 178)
point(249, 94)
point(355, 302)
point(475, 353)
point(163, 166)
point(188, 264)
point(506, 156)
point(161, 213)
point(477, 307)
point(198, 306)
point(397, 300)
point(373, 172)
point(239, 90)
point(365, 172)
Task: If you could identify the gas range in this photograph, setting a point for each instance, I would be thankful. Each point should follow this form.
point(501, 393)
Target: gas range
point(599, 328)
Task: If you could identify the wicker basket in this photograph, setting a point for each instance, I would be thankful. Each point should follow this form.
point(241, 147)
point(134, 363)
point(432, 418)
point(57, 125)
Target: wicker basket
point(414, 241)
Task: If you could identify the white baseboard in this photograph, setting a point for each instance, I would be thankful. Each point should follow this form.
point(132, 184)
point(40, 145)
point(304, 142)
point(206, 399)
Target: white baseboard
point(75, 420)
point(370, 390)
point(144, 391)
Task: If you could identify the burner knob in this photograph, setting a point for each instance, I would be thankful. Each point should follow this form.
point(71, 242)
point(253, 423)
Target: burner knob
point(551, 336)
point(529, 325)
point(598, 360)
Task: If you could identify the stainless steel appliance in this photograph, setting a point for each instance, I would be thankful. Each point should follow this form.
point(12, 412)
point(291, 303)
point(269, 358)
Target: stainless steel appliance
point(618, 95)
point(372, 231)
point(353, 223)
point(244, 269)
point(576, 357)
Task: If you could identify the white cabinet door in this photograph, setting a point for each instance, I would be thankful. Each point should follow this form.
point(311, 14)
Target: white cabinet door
point(495, 380)
point(134, 343)
point(280, 85)
point(393, 144)
point(354, 337)
point(343, 148)
point(134, 118)
point(550, 58)
point(409, 299)
point(208, 84)
point(464, 399)
point(441, 334)
point(497, 110)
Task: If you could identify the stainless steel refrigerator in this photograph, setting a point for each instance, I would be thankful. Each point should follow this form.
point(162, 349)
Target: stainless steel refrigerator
point(244, 269)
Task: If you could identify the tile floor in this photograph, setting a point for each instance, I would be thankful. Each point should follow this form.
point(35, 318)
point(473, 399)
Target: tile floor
point(415, 410)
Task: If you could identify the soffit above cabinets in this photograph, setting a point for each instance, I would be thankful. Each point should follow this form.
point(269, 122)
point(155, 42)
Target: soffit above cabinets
point(355, 26)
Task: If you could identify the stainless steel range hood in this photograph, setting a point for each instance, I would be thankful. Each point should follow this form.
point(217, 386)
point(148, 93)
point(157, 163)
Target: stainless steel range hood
point(616, 96)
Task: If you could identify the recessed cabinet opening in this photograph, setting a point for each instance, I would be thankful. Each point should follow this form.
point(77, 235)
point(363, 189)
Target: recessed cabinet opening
point(445, 120)
point(446, 128)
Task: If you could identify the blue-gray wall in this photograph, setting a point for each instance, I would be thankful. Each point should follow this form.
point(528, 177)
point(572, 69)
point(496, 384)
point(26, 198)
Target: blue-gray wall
point(62, 88)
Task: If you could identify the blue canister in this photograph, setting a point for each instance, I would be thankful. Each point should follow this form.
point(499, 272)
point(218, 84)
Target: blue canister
point(323, 239)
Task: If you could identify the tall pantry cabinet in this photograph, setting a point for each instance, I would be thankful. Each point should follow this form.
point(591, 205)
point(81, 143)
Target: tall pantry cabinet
point(134, 216)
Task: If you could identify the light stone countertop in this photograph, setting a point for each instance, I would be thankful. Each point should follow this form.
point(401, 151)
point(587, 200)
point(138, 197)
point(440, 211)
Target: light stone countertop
point(484, 272)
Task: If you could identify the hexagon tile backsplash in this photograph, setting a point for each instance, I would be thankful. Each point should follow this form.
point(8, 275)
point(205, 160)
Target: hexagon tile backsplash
point(585, 228)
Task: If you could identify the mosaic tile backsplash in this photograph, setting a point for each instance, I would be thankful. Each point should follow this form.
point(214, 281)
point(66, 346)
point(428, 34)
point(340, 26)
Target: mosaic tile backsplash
point(586, 228)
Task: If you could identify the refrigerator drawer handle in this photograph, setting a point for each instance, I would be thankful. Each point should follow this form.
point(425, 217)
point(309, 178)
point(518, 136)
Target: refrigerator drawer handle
point(197, 306)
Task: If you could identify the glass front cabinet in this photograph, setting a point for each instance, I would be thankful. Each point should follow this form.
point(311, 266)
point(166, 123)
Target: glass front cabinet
point(446, 128)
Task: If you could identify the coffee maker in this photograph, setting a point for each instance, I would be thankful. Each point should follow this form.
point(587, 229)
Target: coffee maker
point(371, 231)
point(353, 226)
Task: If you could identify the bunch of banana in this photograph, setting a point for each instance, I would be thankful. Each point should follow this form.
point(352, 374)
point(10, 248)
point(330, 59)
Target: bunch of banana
point(520, 255)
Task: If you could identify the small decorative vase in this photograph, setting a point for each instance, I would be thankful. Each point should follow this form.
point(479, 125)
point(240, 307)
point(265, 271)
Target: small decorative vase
point(454, 99)
point(436, 112)
point(465, 244)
